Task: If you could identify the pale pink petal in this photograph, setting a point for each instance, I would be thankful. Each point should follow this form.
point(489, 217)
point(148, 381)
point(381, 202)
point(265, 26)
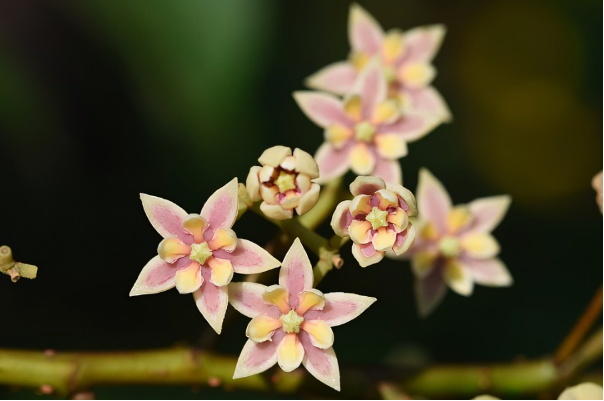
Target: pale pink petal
point(488, 212)
point(336, 78)
point(332, 162)
point(258, 357)
point(321, 363)
point(430, 291)
point(247, 299)
point(273, 156)
point(211, 301)
point(309, 199)
point(366, 254)
point(371, 87)
point(252, 183)
point(367, 185)
point(220, 210)
point(276, 212)
point(488, 272)
point(458, 277)
point(156, 276)
point(296, 272)
point(249, 258)
point(428, 100)
point(305, 164)
point(321, 108)
point(364, 33)
point(404, 240)
point(433, 201)
point(341, 219)
point(389, 170)
point(166, 217)
point(423, 42)
point(340, 308)
point(410, 127)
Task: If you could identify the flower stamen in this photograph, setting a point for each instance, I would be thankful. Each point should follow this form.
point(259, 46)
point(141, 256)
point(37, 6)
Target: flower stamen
point(377, 218)
point(291, 322)
point(200, 252)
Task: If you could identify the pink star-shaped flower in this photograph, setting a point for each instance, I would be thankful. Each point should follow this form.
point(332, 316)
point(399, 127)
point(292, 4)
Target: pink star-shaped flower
point(365, 132)
point(405, 56)
point(453, 246)
point(200, 252)
point(291, 322)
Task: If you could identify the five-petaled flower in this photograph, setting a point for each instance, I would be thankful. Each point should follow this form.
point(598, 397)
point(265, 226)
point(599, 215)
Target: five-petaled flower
point(376, 220)
point(406, 59)
point(200, 252)
point(284, 182)
point(453, 246)
point(291, 322)
point(366, 131)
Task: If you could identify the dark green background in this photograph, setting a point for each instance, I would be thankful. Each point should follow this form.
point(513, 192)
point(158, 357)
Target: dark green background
point(101, 100)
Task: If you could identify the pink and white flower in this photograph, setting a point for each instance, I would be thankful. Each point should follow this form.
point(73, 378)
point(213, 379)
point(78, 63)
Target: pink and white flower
point(284, 182)
point(406, 58)
point(376, 220)
point(200, 252)
point(454, 247)
point(291, 322)
point(365, 132)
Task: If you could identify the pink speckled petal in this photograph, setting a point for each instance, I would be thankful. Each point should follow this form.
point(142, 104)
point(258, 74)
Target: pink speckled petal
point(249, 258)
point(423, 42)
point(332, 162)
point(220, 210)
point(247, 299)
point(428, 100)
point(340, 308)
point(430, 291)
point(410, 127)
point(296, 272)
point(371, 86)
point(389, 170)
point(166, 217)
point(258, 357)
point(212, 301)
point(341, 219)
point(321, 108)
point(433, 201)
point(488, 212)
point(156, 276)
point(364, 33)
point(336, 78)
point(488, 272)
point(321, 363)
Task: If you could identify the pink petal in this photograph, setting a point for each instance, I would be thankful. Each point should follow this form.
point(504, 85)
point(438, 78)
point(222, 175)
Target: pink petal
point(389, 170)
point(433, 201)
point(156, 276)
point(296, 272)
point(428, 100)
point(332, 162)
point(340, 308)
point(366, 255)
point(364, 32)
point(371, 86)
point(211, 301)
point(366, 185)
point(247, 299)
point(488, 212)
point(411, 127)
point(341, 219)
point(321, 363)
point(336, 78)
point(430, 291)
point(249, 258)
point(423, 42)
point(220, 210)
point(166, 217)
point(258, 357)
point(321, 108)
point(488, 272)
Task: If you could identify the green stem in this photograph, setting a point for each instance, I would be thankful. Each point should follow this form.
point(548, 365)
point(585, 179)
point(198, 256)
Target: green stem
point(330, 196)
point(309, 238)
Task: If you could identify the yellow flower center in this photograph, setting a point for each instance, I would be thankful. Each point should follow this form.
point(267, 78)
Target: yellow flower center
point(200, 252)
point(449, 246)
point(377, 218)
point(364, 131)
point(285, 181)
point(291, 322)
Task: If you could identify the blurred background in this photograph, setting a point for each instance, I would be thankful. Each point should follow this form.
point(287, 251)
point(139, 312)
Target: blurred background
point(103, 99)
